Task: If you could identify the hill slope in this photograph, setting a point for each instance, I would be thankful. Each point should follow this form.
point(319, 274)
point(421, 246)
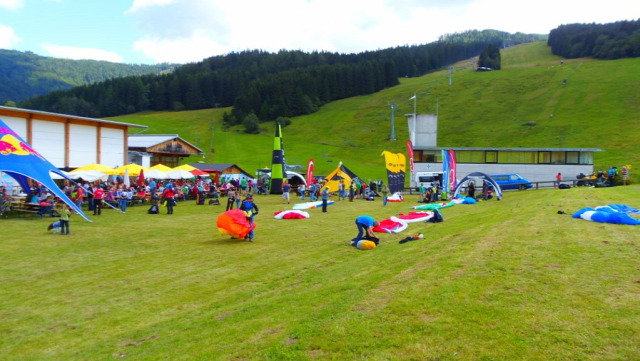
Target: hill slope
point(24, 74)
point(596, 107)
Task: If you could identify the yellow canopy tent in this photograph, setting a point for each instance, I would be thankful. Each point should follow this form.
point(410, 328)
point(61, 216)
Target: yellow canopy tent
point(134, 169)
point(96, 166)
point(186, 167)
point(161, 167)
point(333, 179)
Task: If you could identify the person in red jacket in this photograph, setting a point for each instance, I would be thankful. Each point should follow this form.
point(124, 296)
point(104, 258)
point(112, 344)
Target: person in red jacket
point(98, 196)
point(168, 196)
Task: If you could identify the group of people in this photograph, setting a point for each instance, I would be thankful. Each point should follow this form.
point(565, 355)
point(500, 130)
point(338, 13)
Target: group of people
point(612, 175)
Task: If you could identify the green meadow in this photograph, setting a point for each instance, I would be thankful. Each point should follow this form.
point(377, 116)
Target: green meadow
point(499, 280)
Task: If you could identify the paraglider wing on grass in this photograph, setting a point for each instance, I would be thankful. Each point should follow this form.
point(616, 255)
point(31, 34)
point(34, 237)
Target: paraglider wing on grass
point(234, 223)
point(614, 213)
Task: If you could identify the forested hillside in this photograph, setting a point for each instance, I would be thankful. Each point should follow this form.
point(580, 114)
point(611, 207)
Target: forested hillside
point(602, 41)
point(25, 75)
point(268, 85)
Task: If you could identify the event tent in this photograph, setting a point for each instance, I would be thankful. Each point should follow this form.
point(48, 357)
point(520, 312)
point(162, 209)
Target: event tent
point(132, 169)
point(186, 167)
point(22, 162)
point(89, 175)
point(96, 166)
point(161, 167)
point(476, 177)
point(179, 174)
point(333, 179)
point(155, 174)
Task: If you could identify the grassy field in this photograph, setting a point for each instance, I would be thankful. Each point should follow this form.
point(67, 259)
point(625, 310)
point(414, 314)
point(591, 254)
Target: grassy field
point(527, 104)
point(500, 280)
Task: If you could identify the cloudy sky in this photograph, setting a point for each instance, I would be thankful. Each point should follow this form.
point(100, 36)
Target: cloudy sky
point(182, 31)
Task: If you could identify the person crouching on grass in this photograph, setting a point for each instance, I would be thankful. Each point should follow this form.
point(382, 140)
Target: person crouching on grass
point(365, 228)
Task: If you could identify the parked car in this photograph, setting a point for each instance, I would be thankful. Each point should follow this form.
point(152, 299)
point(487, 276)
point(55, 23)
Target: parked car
point(511, 181)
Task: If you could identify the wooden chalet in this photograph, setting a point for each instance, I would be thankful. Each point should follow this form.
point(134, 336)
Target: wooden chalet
point(167, 149)
point(223, 170)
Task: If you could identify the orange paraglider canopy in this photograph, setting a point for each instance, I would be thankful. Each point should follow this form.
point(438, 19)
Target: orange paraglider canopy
point(234, 223)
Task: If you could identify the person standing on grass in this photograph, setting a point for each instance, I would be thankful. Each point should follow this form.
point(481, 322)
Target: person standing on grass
point(384, 189)
point(250, 210)
point(286, 188)
point(302, 189)
point(558, 179)
point(341, 190)
point(168, 195)
point(79, 196)
point(325, 199)
point(231, 197)
point(65, 214)
point(365, 226)
point(625, 175)
point(98, 195)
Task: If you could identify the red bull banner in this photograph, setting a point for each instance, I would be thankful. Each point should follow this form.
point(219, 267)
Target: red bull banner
point(396, 164)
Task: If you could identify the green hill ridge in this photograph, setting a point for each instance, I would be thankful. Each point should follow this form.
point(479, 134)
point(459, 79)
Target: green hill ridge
point(536, 100)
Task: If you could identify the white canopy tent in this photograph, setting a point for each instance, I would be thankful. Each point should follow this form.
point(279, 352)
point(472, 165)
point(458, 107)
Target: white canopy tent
point(155, 174)
point(179, 174)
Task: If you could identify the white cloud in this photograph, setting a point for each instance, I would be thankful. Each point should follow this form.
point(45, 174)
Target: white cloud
point(142, 4)
point(11, 4)
point(190, 30)
point(179, 50)
point(76, 53)
point(7, 37)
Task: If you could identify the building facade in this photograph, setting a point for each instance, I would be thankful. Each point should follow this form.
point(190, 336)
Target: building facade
point(534, 164)
point(69, 141)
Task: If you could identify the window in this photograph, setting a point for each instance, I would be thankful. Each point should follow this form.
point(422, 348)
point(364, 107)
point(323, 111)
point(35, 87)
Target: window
point(417, 156)
point(544, 157)
point(557, 158)
point(470, 156)
point(586, 157)
point(573, 157)
point(491, 156)
point(430, 157)
point(515, 157)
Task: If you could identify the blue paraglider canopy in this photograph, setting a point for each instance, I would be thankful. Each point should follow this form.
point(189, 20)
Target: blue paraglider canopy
point(613, 213)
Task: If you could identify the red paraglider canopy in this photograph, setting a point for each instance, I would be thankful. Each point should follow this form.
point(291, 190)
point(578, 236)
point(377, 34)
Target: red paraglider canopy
point(234, 223)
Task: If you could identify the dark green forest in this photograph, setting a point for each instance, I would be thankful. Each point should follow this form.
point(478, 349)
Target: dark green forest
point(25, 75)
point(270, 85)
point(601, 41)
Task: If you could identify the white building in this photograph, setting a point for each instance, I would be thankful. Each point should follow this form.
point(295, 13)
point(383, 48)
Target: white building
point(69, 141)
point(533, 164)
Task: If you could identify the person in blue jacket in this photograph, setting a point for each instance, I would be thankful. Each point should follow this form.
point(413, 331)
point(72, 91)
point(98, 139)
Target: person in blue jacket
point(365, 226)
point(250, 210)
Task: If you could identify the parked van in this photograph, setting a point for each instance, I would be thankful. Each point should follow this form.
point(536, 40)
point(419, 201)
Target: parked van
point(511, 181)
point(428, 178)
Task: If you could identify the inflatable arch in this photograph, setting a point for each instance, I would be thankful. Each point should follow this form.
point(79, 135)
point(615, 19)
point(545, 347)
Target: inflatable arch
point(476, 176)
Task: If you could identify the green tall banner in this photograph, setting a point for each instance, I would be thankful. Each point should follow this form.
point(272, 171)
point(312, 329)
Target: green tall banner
point(278, 173)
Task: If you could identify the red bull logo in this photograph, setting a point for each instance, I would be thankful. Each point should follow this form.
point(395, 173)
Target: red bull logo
point(9, 144)
point(6, 148)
